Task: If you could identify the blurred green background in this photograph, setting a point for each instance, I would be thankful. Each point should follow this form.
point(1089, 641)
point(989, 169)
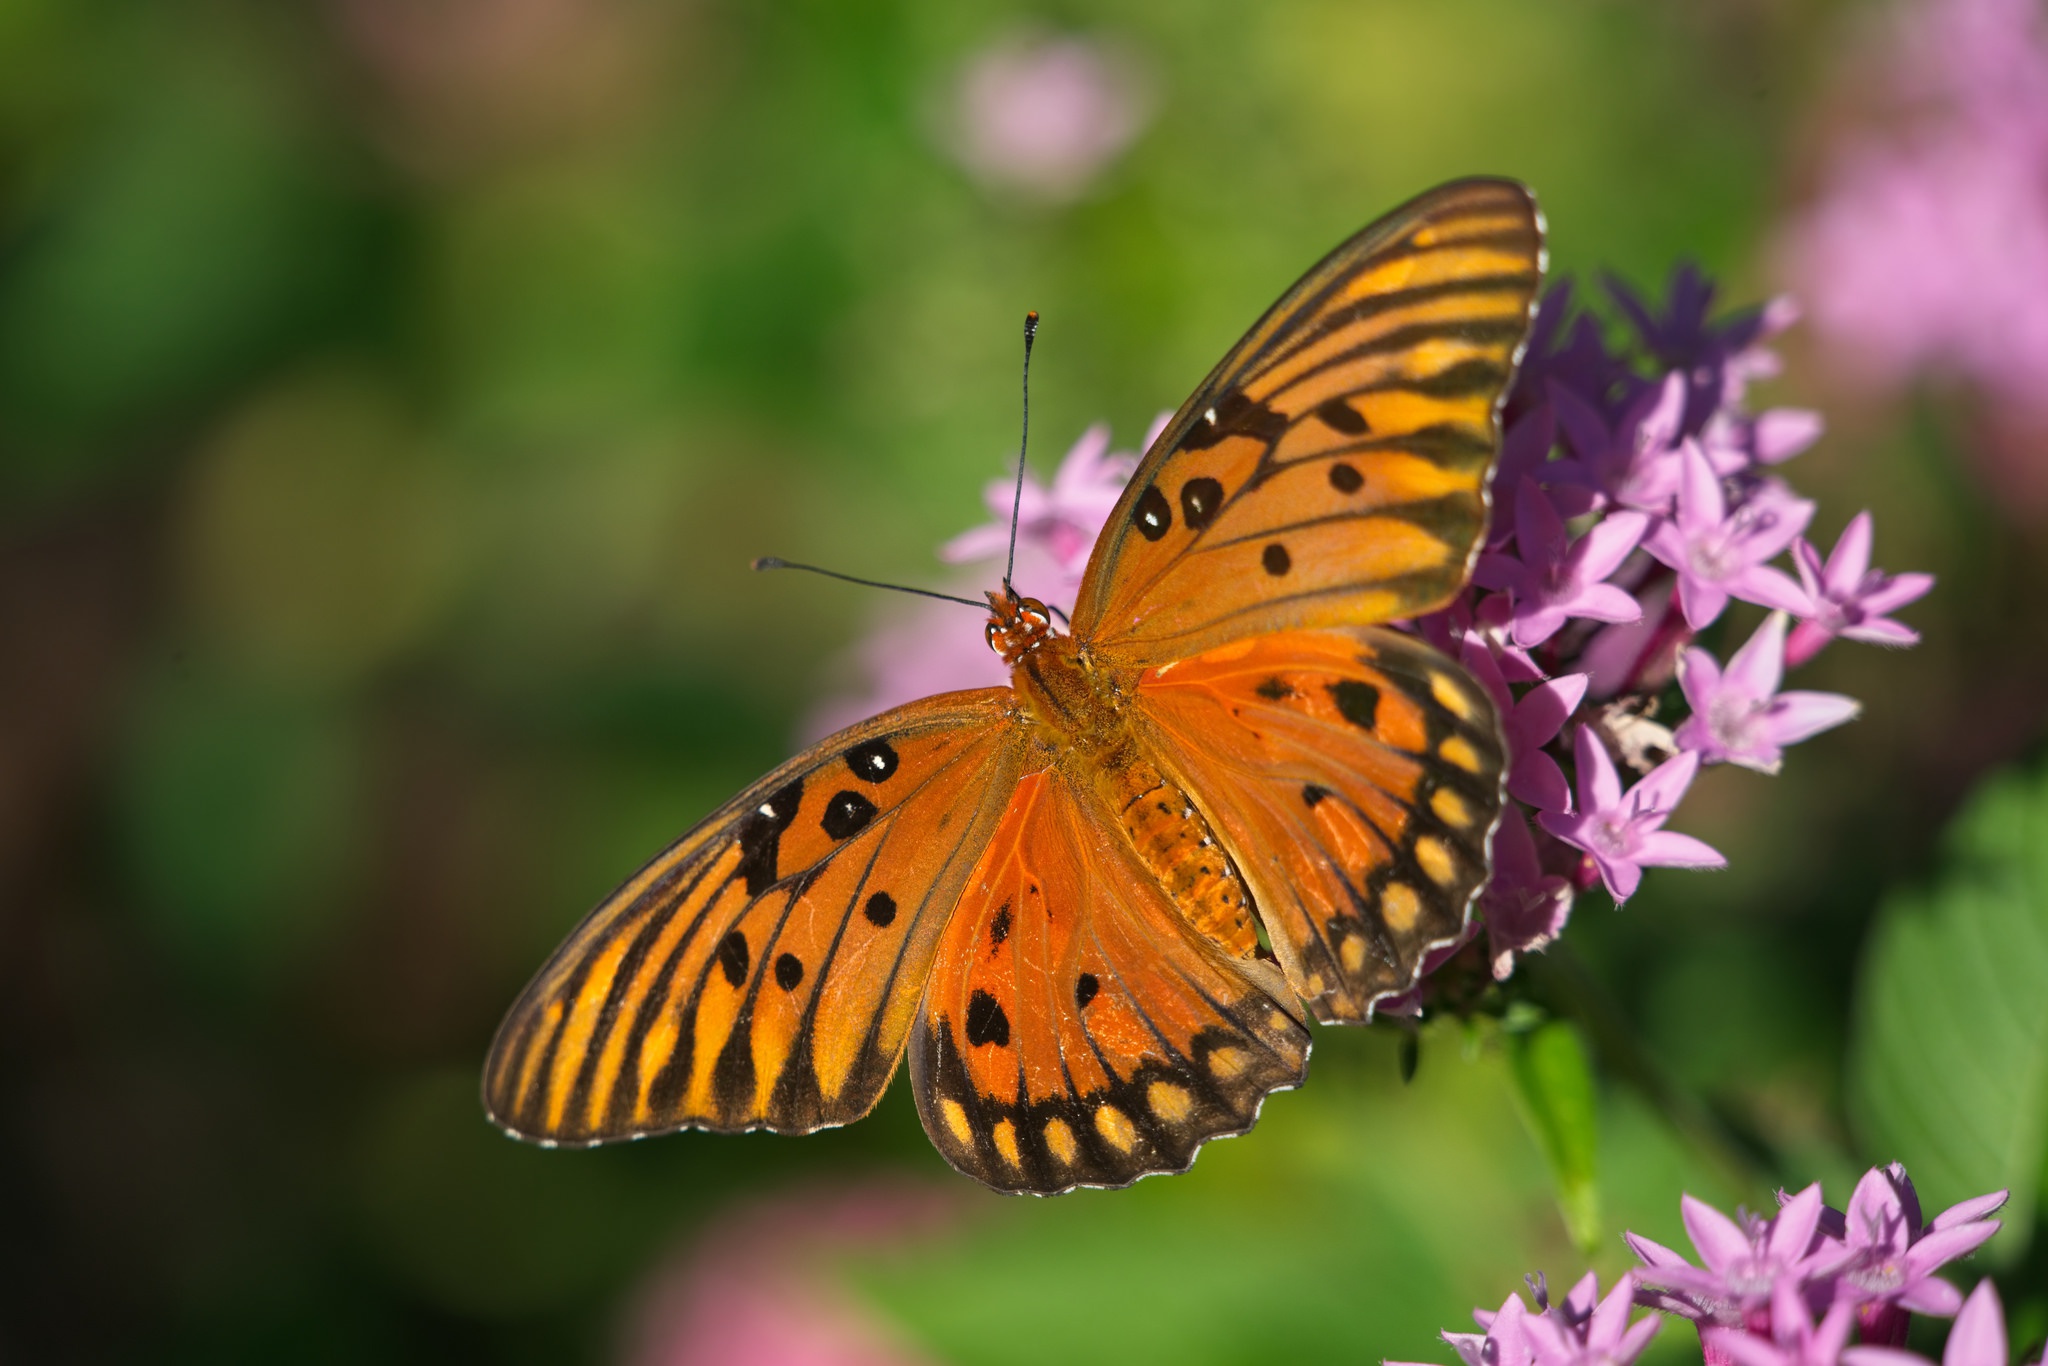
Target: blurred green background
point(392, 394)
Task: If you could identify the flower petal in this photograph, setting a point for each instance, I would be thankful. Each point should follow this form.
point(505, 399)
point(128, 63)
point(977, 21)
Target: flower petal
point(1797, 716)
point(1759, 666)
point(1896, 591)
point(1769, 587)
point(1669, 849)
point(1666, 784)
point(1720, 1240)
point(1536, 780)
point(1969, 1210)
point(1600, 551)
point(1791, 1234)
point(1850, 560)
point(1783, 433)
point(1978, 1338)
point(1599, 785)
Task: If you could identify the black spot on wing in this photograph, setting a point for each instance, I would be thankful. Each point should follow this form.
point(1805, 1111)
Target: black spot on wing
point(986, 1022)
point(1199, 500)
point(1276, 559)
point(789, 971)
point(999, 929)
point(733, 958)
point(847, 814)
point(760, 836)
point(1345, 479)
point(1085, 987)
point(873, 762)
point(880, 909)
point(1275, 689)
point(1151, 515)
point(1313, 795)
point(1358, 703)
point(1341, 416)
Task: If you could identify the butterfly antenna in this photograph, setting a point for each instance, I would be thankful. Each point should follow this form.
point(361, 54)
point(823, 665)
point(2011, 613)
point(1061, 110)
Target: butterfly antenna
point(1023, 443)
point(777, 562)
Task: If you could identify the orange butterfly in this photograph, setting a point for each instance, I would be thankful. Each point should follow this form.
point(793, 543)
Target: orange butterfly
point(1058, 894)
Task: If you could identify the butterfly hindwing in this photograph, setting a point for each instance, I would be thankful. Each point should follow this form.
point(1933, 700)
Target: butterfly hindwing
point(1333, 469)
point(1356, 777)
point(1076, 1031)
point(764, 970)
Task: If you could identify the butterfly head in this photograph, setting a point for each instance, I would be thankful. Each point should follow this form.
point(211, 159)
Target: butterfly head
point(1016, 625)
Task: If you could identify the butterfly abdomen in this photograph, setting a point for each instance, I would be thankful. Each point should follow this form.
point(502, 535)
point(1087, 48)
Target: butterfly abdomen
point(1169, 836)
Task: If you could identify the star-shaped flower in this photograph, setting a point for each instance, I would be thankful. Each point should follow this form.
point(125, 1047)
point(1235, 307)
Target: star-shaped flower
point(1847, 598)
point(1746, 1263)
point(1794, 1338)
point(1529, 723)
point(1720, 553)
point(1554, 577)
point(1585, 1330)
point(1889, 1257)
point(1634, 462)
point(1625, 833)
point(1977, 1339)
point(1740, 717)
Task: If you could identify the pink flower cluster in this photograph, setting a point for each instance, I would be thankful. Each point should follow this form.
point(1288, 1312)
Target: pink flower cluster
point(1784, 1291)
point(1637, 496)
point(1927, 247)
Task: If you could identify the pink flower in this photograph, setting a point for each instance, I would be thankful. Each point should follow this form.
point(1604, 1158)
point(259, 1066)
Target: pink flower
point(1847, 598)
point(1719, 553)
point(1890, 1258)
point(1581, 1330)
point(1064, 520)
point(1529, 723)
point(1740, 717)
point(761, 1288)
point(1524, 907)
point(1746, 1263)
point(1928, 247)
point(1555, 577)
point(1046, 115)
point(927, 647)
point(1625, 833)
point(1634, 462)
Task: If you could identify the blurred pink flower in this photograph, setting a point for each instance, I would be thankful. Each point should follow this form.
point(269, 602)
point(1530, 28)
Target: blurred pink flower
point(1045, 115)
point(1928, 246)
point(760, 1287)
point(925, 647)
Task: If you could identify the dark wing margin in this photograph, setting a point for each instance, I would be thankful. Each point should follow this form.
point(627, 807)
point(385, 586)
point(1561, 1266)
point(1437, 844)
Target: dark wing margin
point(763, 971)
point(1334, 468)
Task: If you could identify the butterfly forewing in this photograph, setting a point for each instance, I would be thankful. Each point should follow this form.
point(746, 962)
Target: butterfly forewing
point(764, 971)
point(1356, 777)
point(1076, 1030)
point(1334, 468)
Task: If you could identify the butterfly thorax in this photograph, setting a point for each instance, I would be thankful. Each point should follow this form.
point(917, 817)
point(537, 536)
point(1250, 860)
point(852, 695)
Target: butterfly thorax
point(1078, 705)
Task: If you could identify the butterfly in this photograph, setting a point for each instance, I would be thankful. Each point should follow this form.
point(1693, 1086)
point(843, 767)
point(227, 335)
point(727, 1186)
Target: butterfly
point(1090, 906)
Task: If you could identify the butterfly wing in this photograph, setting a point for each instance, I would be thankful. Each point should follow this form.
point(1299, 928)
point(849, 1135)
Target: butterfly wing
point(1355, 775)
point(1333, 468)
point(763, 972)
point(1076, 1031)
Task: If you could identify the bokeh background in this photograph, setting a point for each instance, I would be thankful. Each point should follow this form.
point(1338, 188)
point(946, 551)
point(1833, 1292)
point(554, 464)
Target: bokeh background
point(393, 392)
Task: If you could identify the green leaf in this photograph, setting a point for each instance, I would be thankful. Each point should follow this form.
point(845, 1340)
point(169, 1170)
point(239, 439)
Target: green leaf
point(1948, 1065)
point(1553, 1077)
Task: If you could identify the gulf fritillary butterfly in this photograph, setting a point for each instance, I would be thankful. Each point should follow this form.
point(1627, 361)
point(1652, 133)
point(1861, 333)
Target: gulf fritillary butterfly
point(1052, 894)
